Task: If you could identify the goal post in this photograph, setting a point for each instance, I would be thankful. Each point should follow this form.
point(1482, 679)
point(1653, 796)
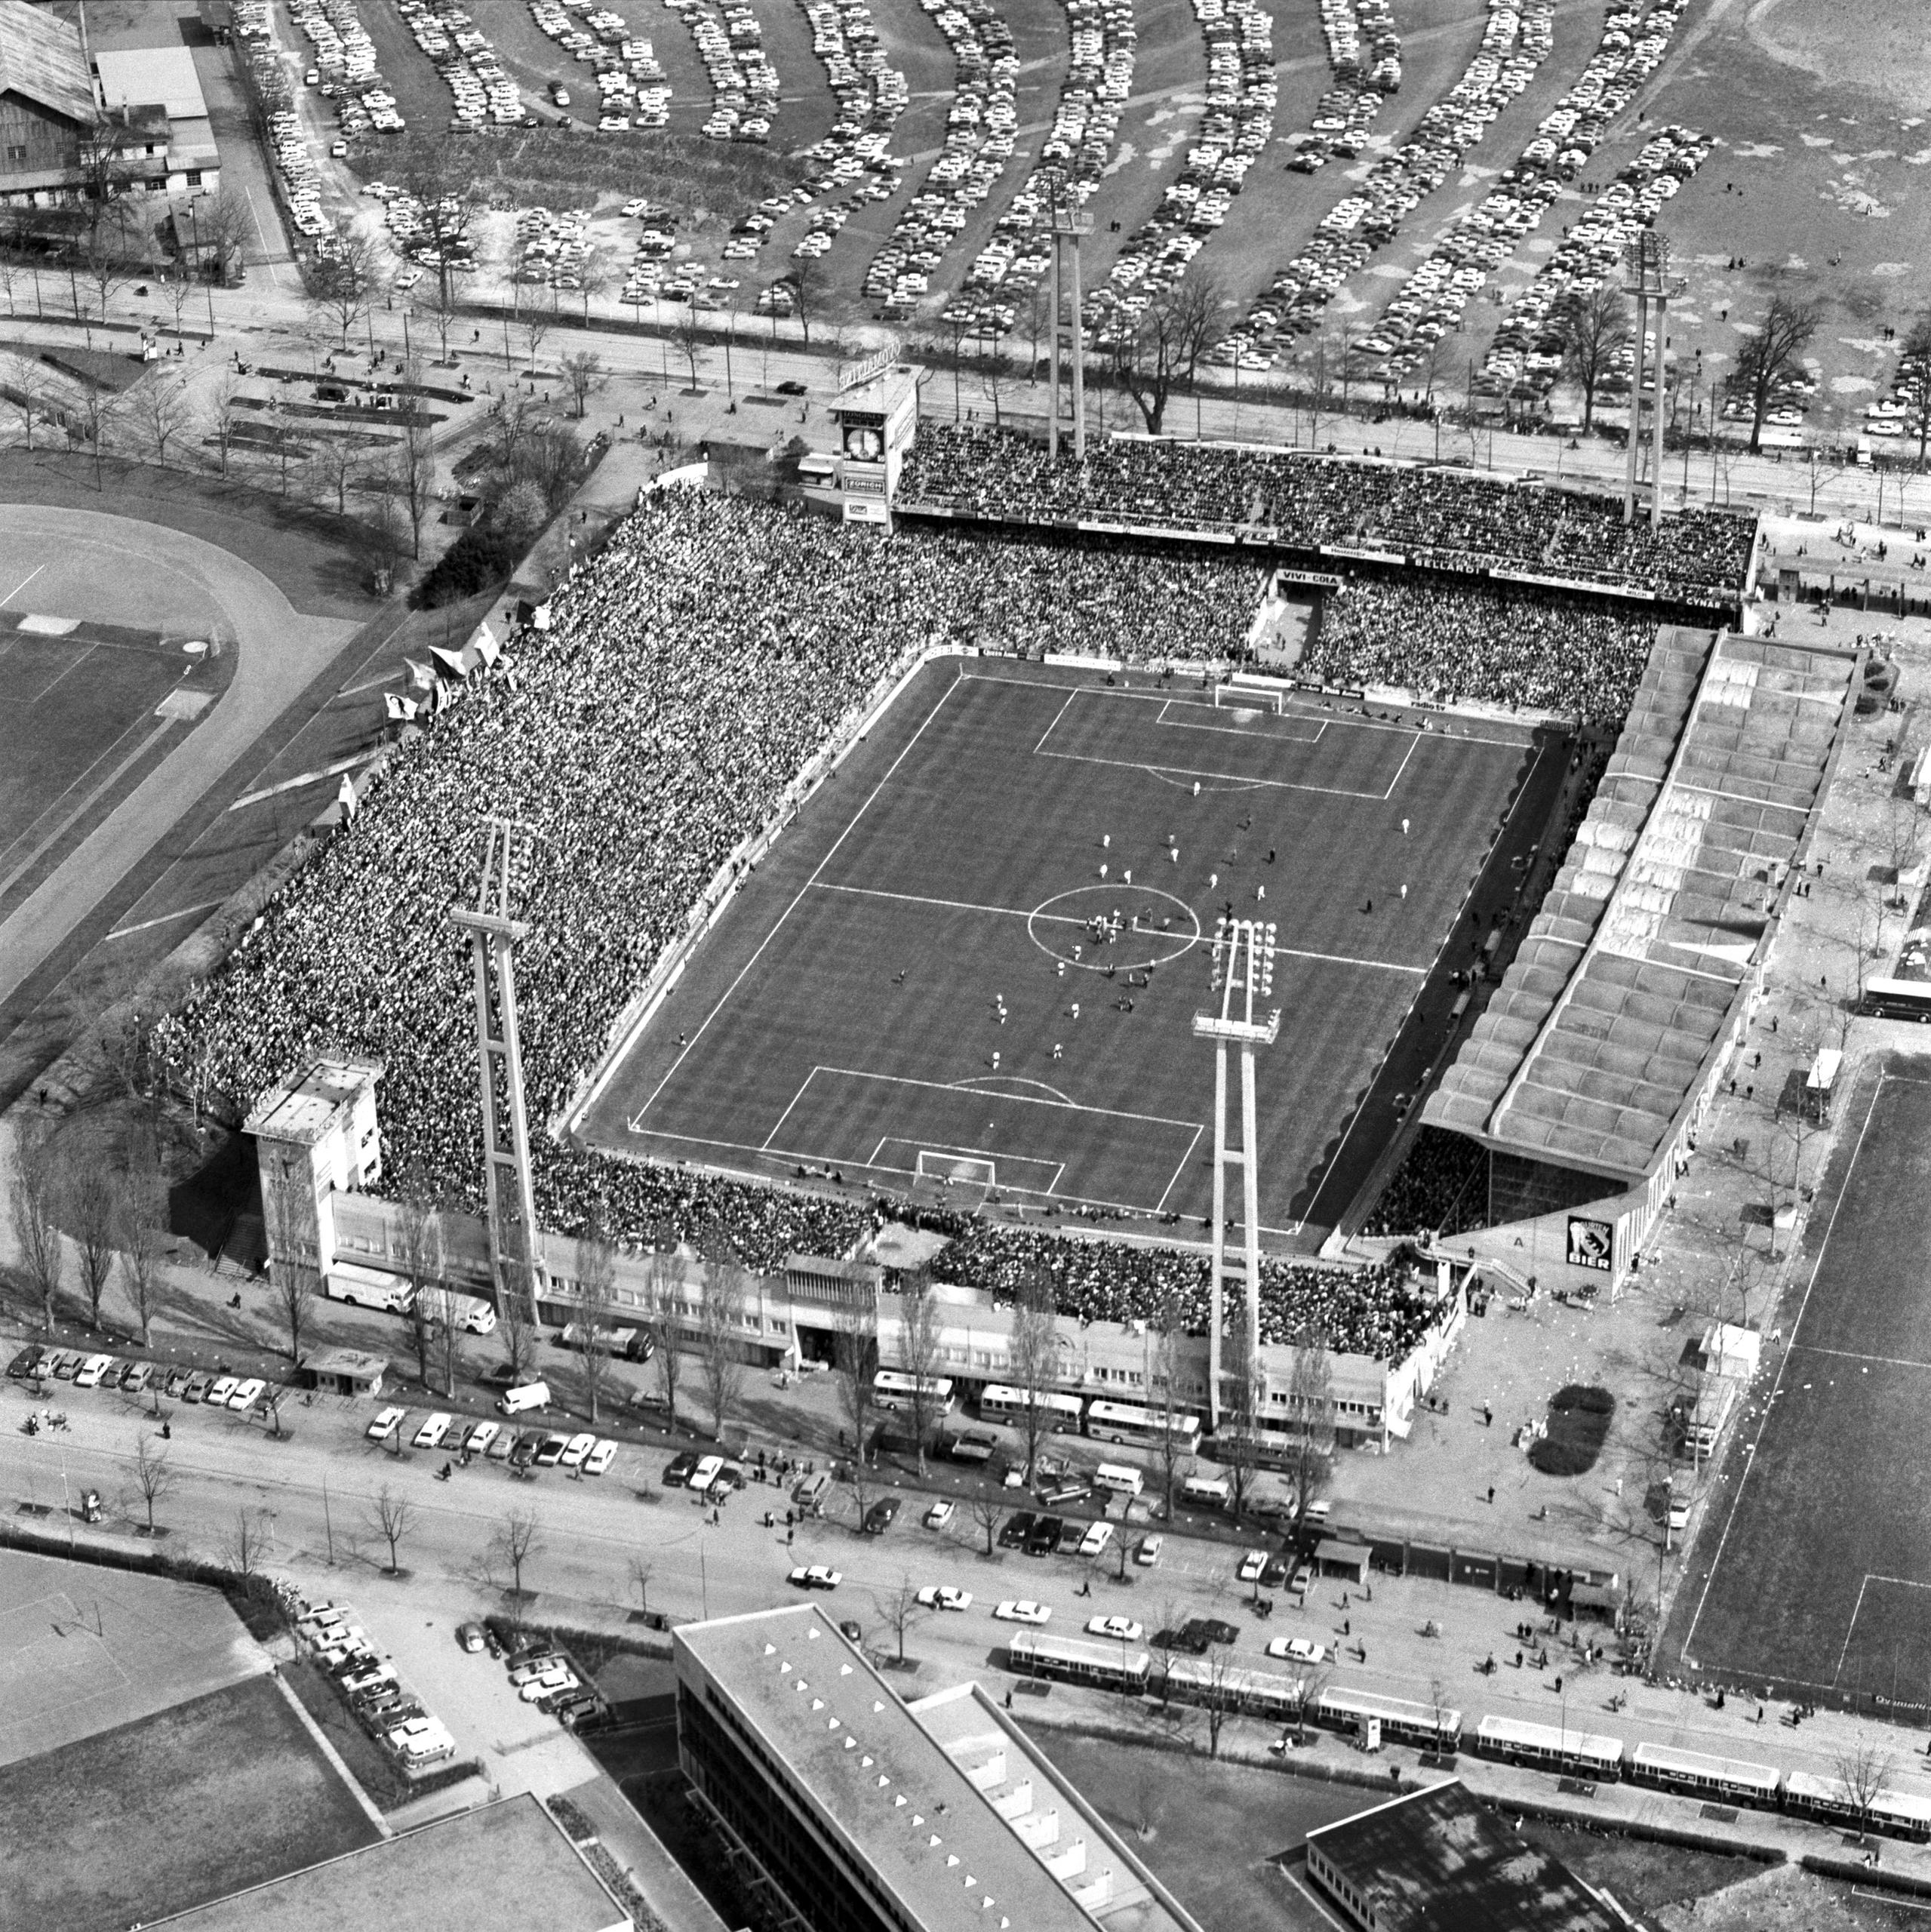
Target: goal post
point(961, 1170)
point(1248, 697)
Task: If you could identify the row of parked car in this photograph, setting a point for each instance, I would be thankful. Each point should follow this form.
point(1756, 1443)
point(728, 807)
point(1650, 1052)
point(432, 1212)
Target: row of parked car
point(86, 1371)
point(541, 1675)
point(368, 1682)
point(521, 1449)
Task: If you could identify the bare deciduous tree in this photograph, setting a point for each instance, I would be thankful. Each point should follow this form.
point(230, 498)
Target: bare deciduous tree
point(89, 1195)
point(140, 1219)
point(664, 1290)
point(1865, 1768)
point(1770, 356)
point(855, 1364)
point(249, 1540)
point(392, 1515)
point(153, 1477)
point(1310, 1420)
point(1594, 326)
point(583, 376)
point(1035, 1353)
point(33, 1196)
point(422, 1269)
point(294, 1258)
point(721, 1307)
point(920, 1332)
point(342, 283)
point(162, 411)
point(518, 1542)
point(900, 1608)
point(596, 1304)
point(1161, 346)
point(985, 1512)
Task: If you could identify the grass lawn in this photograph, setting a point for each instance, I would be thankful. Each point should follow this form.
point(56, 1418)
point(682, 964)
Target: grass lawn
point(846, 1014)
point(190, 1805)
point(1819, 1534)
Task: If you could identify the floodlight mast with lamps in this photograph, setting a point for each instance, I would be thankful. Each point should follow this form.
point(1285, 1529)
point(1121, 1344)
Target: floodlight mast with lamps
point(1242, 964)
point(515, 1258)
point(1649, 281)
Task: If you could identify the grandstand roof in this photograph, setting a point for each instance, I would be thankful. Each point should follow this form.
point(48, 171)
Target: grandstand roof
point(1620, 994)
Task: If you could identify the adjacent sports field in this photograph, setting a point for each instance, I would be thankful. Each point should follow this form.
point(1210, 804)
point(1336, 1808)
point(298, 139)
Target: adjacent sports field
point(1819, 1576)
point(911, 986)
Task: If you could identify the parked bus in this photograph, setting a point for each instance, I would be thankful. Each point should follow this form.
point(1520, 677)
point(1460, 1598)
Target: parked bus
point(1731, 1780)
point(891, 1390)
point(1144, 1428)
point(1549, 1748)
point(1894, 1812)
point(1063, 1412)
point(1260, 1693)
point(1105, 1666)
point(1119, 1479)
point(1401, 1722)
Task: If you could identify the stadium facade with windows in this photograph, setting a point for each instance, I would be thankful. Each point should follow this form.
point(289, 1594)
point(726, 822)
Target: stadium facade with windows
point(1587, 1080)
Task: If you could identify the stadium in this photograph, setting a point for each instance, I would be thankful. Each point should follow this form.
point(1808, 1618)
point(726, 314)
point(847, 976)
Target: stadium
point(869, 882)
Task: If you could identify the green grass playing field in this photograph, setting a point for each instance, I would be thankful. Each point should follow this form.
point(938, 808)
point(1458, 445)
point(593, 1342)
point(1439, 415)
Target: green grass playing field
point(847, 1012)
point(1816, 1550)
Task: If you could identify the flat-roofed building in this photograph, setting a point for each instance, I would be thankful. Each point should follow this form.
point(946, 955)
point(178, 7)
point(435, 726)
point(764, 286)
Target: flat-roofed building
point(507, 1865)
point(1437, 1860)
point(316, 1140)
point(851, 1810)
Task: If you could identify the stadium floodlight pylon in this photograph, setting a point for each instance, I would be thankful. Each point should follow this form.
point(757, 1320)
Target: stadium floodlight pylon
point(1070, 223)
point(1648, 260)
point(1242, 965)
point(515, 1256)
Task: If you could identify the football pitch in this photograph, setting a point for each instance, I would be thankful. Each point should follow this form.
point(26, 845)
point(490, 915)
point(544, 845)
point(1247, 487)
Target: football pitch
point(971, 966)
point(1818, 1577)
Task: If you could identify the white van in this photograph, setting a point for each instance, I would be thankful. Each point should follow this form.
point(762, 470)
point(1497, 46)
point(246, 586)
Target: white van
point(530, 1395)
point(367, 1287)
point(1118, 1478)
point(1214, 1492)
point(470, 1313)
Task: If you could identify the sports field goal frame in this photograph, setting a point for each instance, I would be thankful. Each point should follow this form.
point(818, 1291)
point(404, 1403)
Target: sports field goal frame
point(1249, 697)
point(960, 1170)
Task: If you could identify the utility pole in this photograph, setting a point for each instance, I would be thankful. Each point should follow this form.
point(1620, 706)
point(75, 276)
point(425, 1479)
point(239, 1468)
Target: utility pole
point(1242, 962)
point(515, 1260)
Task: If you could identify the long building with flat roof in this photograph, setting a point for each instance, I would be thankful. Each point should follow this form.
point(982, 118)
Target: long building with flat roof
point(851, 1810)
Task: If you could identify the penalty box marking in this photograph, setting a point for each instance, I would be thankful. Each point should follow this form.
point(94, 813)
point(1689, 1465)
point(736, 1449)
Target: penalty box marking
point(1850, 1629)
point(1217, 777)
point(1193, 1129)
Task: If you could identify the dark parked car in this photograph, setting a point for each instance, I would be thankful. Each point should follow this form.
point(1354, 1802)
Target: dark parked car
point(677, 1471)
point(26, 1365)
point(523, 1452)
point(793, 387)
point(1043, 1539)
point(1274, 1575)
point(1203, 1631)
point(1018, 1526)
point(882, 1515)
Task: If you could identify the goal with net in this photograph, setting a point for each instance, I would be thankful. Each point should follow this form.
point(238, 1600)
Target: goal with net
point(962, 1170)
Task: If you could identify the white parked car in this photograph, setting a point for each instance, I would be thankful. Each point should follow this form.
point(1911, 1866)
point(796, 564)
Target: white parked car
point(551, 1681)
point(434, 1428)
point(216, 1398)
point(706, 1473)
point(1252, 1565)
point(1023, 1610)
point(1298, 1649)
point(248, 1393)
point(576, 1449)
point(1097, 1536)
point(480, 1435)
point(386, 1423)
point(943, 1596)
point(600, 1458)
point(1121, 1629)
point(939, 1514)
point(88, 1375)
point(1148, 1552)
point(816, 1577)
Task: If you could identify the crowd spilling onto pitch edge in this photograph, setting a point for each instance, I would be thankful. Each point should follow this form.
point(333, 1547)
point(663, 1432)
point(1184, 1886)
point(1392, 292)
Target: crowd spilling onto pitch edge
point(1440, 519)
point(641, 764)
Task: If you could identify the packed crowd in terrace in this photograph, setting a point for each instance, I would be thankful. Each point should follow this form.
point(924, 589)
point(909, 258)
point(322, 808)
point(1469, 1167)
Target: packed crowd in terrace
point(1442, 1187)
point(1460, 643)
point(1445, 519)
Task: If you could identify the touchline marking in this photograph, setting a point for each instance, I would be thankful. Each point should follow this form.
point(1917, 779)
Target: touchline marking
point(8, 600)
point(1776, 1387)
point(166, 919)
point(1847, 1354)
point(890, 772)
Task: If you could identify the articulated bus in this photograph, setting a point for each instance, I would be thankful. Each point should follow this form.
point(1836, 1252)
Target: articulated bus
point(1549, 1748)
point(891, 1390)
point(1144, 1428)
point(1260, 1693)
point(1105, 1666)
point(1063, 1412)
point(1401, 1722)
point(1894, 1813)
point(1733, 1780)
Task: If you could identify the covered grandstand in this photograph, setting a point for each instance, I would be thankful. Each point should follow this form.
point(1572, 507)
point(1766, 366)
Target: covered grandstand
point(1587, 1076)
